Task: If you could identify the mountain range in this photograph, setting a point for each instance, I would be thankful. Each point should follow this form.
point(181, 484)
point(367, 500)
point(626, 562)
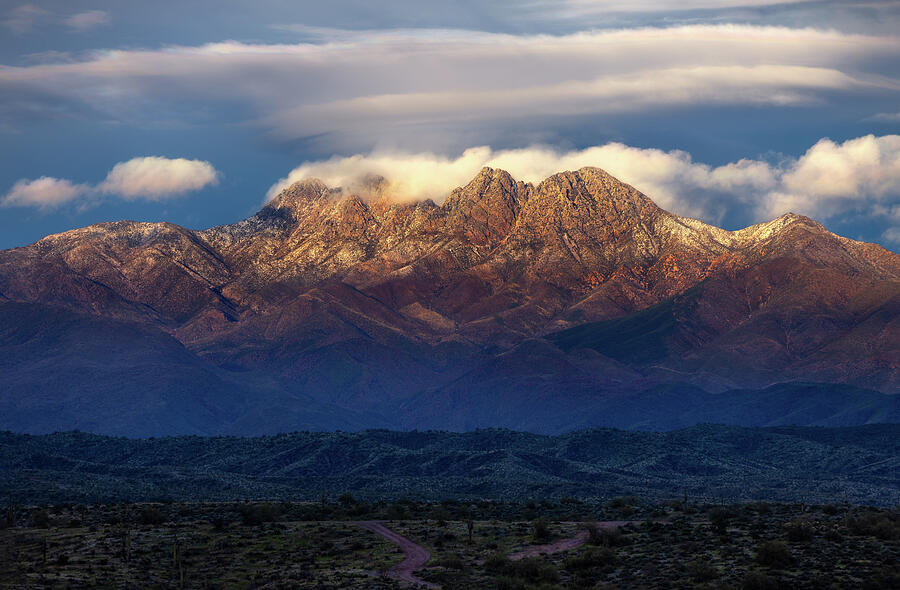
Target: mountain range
point(571, 303)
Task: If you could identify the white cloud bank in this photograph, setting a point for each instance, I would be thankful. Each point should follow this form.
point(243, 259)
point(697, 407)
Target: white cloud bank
point(365, 88)
point(150, 178)
point(860, 175)
point(831, 178)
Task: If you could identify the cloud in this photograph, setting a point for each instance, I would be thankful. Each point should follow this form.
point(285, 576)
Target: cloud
point(85, 21)
point(593, 7)
point(671, 178)
point(859, 176)
point(359, 88)
point(45, 192)
point(831, 178)
point(49, 56)
point(412, 176)
point(859, 15)
point(156, 178)
point(150, 178)
point(710, 85)
point(890, 117)
point(892, 235)
point(23, 18)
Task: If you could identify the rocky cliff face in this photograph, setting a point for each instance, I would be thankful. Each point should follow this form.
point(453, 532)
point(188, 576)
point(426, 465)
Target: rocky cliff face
point(365, 305)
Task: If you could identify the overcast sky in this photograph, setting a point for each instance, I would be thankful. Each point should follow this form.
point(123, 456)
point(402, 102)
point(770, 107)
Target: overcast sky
point(731, 111)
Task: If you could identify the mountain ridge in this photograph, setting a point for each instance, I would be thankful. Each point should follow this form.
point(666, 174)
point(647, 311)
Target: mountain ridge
point(708, 462)
point(348, 303)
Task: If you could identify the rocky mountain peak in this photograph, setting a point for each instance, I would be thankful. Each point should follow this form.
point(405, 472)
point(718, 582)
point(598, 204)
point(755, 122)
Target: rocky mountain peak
point(488, 206)
point(589, 209)
point(303, 195)
point(490, 188)
point(598, 189)
point(352, 217)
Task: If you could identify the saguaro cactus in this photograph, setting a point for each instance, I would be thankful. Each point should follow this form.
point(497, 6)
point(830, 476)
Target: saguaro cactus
point(126, 545)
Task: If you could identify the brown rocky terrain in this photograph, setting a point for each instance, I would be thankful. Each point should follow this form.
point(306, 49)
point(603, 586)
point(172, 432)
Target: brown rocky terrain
point(328, 309)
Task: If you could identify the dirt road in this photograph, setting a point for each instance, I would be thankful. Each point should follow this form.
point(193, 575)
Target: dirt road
point(416, 555)
point(565, 544)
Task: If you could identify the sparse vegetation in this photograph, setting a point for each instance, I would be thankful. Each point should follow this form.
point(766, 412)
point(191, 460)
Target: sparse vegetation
point(773, 554)
point(541, 530)
point(719, 519)
point(759, 581)
point(593, 557)
point(702, 464)
point(257, 514)
point(799, 530)
point(314, 545)
point(605, 536)
point(884, 525)
point(151, 515)
point(701, 570)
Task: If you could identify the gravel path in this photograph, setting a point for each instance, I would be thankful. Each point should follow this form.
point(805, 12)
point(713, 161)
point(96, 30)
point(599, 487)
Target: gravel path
point(416, 555)
point(565, 544)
